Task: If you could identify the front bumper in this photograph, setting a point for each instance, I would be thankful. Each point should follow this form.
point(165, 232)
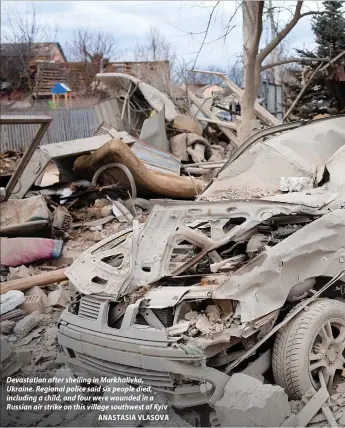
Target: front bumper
point(92, 347)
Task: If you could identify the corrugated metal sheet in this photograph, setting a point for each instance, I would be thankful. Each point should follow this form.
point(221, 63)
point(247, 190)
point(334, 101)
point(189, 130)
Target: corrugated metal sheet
point(66, 125)
point(156, 159)
point(273, 95)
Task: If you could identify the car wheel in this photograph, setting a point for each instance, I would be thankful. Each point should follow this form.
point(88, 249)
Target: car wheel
point(312, 341)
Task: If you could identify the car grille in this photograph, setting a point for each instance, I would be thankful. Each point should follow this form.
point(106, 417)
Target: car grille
point(89, 307)
point(149, 377)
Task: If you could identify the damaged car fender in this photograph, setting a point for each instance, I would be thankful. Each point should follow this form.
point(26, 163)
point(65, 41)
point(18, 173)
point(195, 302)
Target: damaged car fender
point(264, 284)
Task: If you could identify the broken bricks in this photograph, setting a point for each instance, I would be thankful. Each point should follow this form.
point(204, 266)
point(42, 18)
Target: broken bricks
point(35, 300)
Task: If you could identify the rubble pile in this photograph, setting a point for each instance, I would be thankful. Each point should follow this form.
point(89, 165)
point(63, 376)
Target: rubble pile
point(206, 322)
point(9, 161)
point(212, 263)
point(248, 402)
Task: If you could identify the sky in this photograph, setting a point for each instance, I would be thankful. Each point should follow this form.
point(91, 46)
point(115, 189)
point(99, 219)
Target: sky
point(182, 23)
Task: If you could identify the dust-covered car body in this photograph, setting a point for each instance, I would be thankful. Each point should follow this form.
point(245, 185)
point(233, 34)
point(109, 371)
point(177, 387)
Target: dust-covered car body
point(177, 299)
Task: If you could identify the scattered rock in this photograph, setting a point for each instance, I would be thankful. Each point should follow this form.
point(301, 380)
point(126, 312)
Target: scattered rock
point(295, 184)
point(178, 329)
point(341, 388)
point(59, 298)
point(193, 332)
point(29, 337)
point(19, 272)
point(294, 406)
point(203, 324)
point(191, 315)
point(51, 332)
point(6, 327)
point(25, 325)
point(213, 310)
point(247, 402)
point(24, 356)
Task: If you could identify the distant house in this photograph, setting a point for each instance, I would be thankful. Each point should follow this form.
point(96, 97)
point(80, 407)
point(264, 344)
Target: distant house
point(137, 68)
point(203, 90)
point(48, 51)
point(20, 63)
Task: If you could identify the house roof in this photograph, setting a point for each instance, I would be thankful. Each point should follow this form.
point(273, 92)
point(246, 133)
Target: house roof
point(60, 88)
point(38, 49)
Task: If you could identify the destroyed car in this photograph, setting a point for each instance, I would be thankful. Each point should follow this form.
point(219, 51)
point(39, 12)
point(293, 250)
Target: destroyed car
point(197, 292)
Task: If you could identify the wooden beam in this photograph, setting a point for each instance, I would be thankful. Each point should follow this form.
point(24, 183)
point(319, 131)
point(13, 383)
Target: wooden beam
point(207, 112)
point(41, 280)
point(260, 111)
point(230, 125)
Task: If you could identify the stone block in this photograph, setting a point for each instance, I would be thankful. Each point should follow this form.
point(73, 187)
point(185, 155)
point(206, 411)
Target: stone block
point(247, 402)
point(35, 300)
point(59, 297)
point(7, 326)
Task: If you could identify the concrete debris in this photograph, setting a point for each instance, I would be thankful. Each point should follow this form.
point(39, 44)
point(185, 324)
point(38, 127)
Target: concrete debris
point(6, 327)
point(295, 184)
point(247, 402)
point(179, 328)
point(203, 324)
point(11, 300)
point(213, 310)
point(19, 272)
point(191, 315)
point(24, 326)
point(59, 297)
point(204, 280)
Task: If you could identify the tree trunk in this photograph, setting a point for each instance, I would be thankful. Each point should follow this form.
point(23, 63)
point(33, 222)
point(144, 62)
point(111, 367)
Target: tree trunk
point(252, 29)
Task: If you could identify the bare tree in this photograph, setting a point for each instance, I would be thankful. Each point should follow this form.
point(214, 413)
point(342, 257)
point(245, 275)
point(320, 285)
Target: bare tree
point(156, 60)
point(24, 38)
point(236, 71)
point(93, 52)
point(252, 13)
point(154, 47)
point(89, 46)
point(254, 57)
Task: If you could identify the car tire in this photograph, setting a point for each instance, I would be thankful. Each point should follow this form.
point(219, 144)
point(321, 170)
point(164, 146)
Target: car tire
point(314, 340)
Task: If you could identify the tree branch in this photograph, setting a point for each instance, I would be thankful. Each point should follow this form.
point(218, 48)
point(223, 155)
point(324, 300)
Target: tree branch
point(287, 61)
point(206, 32)
point(282, 34)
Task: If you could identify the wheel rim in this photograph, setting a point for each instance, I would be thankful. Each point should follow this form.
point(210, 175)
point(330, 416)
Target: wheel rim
point(327, 352)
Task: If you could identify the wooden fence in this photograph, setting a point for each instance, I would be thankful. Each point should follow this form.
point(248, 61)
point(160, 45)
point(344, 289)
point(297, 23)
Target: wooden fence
point(66, 125)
